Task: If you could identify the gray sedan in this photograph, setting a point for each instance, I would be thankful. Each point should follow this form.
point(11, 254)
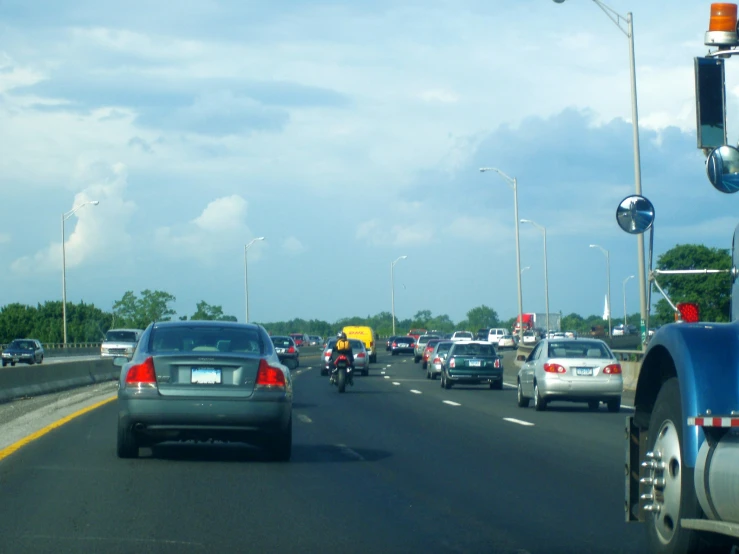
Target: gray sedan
point(361, 357)
point(576, 370)
point(437, 357)
point(205, 380)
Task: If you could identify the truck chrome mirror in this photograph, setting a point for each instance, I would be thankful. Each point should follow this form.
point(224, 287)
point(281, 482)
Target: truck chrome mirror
point(722, 168)
point(635, 214)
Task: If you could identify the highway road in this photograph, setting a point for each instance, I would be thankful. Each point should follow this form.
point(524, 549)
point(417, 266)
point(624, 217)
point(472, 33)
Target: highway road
point(396, 464)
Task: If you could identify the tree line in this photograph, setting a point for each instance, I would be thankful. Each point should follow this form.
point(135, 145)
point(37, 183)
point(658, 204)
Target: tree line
point(88, 323)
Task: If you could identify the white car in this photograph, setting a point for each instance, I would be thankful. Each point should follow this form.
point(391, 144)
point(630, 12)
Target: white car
point(506, 341)
point(530, 337)
point(462, 335)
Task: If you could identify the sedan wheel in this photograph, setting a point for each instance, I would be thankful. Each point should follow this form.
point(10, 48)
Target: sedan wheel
point(593, 405)
point(127, 445)
point(523, 402)
point(539, 403)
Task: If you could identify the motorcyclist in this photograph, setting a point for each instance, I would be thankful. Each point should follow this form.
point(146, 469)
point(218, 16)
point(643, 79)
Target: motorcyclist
point(342, 346)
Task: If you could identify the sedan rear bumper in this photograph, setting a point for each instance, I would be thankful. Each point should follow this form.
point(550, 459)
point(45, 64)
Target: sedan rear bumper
point(471, 378)
point(581, 388)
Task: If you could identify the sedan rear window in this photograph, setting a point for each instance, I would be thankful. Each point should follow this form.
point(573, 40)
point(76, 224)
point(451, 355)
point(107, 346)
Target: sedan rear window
point(579, 349)
point(474, 349)
point(282, 342)
point(183, 338)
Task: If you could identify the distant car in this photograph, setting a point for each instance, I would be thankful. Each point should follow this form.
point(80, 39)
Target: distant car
point(472, 363)
point(530, 337)
point(287, 351)
point(388, 342)
point(430, 345)
point(437, 357)
point(300, 339)
point(120, 342)
point(314, 340)
point(204, 381)
point(495, 334)
point(462, 335)
point(575, 370)
point(361, 357)
point(402, 345)
point(506, 341)
point(421, 346)
point(27, 351)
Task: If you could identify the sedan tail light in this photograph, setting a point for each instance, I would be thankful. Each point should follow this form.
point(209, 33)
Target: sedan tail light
point(291, 350)
point(360, 355)
point(142, 373)
point(395, 345)
point(613, 369)
point(554, 368)
point(437, 360)
point(452, 363)
point(497, 363)
point(268, 376)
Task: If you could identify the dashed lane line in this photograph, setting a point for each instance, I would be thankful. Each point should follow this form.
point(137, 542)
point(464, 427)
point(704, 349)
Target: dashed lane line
point(349, 452)
point(451, 403)
point(304, 418)
point(518, 421)
point(414, 391)
point(396, 383)
point(387, 377)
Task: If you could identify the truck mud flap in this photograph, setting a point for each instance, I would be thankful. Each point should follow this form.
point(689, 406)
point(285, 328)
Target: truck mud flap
point(636, 441)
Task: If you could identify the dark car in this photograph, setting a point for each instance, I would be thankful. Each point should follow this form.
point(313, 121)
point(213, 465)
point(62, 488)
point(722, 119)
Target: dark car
point(205, 381)
point(27, 351)
point(390, 342)
point(287, 351)
point(472, 363)
point(402, 345)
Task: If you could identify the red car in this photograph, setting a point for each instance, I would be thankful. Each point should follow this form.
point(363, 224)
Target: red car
point(299, 338)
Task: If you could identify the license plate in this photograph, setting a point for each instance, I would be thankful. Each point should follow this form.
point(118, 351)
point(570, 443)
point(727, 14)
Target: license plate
point(16, 359)
point(475, 363)
point(583, 371)
point(206, 376)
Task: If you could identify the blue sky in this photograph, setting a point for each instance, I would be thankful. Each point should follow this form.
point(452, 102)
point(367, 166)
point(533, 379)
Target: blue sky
point(347, 134)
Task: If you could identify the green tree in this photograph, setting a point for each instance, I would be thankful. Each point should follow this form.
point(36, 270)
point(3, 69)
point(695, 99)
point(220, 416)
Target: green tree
point(482, 317)
point(208, 312)
point(711, 292)
point(135, 312)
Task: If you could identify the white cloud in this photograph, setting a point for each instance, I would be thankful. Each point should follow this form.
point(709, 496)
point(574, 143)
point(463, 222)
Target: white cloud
point(439, 95)
point(4, 238)
point(293, 245)
point(93, 232)
point(219, 229)
point(379, 234)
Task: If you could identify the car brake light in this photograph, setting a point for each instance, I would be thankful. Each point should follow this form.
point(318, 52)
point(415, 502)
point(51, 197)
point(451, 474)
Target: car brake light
point(268, 376)
point(142, 373)
point(452, 363)
point(437, 360)
point(395, 345)
point(554, 368)
point(497, 363)
point(613, 369)
point(360, 355)
point(291, 350)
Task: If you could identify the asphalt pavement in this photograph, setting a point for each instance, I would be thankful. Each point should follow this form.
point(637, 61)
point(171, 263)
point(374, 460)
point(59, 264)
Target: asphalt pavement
point(396, 464)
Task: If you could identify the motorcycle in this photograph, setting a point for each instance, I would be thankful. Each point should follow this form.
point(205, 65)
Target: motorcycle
point(341, 373)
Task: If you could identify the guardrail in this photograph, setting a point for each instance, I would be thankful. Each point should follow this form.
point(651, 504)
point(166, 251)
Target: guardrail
point(58, 350)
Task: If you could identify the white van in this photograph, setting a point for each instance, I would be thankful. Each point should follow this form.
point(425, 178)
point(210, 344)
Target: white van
point(495, 334)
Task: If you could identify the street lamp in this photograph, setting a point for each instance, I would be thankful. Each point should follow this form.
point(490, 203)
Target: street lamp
point(546, 274)
point(624, 291)
point(65, 217)
point(629, 32)
point(514, 185)
point(608, 275)
point(246, 282)
point(392, 287)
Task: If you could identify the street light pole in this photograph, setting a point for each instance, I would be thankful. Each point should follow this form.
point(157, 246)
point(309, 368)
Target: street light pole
point(392, 287)
point(546, 273)
point(65, 217)
point(608, 276)
point(514, 185)
point(629, 32)
point(624, 291)
point(246, 281)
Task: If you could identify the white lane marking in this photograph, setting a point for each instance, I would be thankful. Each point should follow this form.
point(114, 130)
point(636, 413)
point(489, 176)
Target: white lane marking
point(387, 377)
point(349, 452)
point(304, 418)
point(382, 373)
point(298, 372)
point(452, 403)
point(510, 385)
point(519, 421)
point(414, 391)
point(396, 383)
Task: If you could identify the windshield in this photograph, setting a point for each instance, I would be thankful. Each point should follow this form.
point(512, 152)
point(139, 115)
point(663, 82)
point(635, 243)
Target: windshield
point(120, 336)
point(181, 338)
point(23, 344)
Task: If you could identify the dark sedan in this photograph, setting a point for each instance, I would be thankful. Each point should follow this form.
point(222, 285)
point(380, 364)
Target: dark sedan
point(204, 381)
point(27, 351)
point(472, 363)
point(402, 345)
point(287, 351)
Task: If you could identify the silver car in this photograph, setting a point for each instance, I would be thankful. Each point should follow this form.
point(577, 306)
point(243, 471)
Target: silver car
point(437, 357)
point(421, 346)
point(576, 370)
point(361, 357)
point(205, 380)
point(120, 343)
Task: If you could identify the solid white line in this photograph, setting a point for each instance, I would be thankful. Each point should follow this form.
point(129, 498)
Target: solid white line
point(520, 422)
point(451, 403)
point(414, 391)
point(304, 418)
point(349, 452)
point(396, 383)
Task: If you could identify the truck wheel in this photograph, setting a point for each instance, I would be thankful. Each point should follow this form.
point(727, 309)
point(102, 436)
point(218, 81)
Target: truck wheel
point(667, 482)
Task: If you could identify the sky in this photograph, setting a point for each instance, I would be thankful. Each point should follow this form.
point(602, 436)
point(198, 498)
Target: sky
point(347, 134)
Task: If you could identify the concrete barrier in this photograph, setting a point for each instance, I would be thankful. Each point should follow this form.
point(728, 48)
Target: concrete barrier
point(34, 380)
